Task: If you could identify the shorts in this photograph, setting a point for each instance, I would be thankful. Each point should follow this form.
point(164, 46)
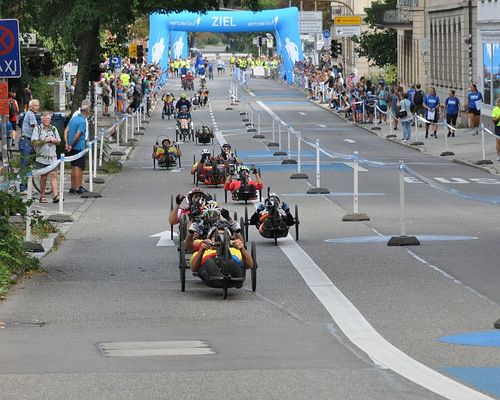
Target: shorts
point(39, 165)
point(105, 100)
point(383, 107)
point(451, 119)
point(474, 111)
point(81, 162)
point(13, 123)
point(497, 132)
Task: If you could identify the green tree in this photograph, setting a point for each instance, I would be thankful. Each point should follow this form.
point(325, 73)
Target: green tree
point(379, 45)
point(78, 24)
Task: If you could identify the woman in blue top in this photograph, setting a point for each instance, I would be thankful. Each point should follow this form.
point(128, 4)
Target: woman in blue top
point(475, 104)
point(431, 105)
point(452, 105)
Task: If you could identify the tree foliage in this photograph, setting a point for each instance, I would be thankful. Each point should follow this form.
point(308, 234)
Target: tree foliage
point(76, 25)
point(378, 45)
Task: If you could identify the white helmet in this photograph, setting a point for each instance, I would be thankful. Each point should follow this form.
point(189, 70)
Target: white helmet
point(205, 152)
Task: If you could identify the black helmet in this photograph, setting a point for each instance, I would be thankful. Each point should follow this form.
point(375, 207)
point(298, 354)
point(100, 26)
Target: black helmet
point(194, 191)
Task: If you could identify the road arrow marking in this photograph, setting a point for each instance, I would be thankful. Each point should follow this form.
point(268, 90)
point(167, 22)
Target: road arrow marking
point(165, 240)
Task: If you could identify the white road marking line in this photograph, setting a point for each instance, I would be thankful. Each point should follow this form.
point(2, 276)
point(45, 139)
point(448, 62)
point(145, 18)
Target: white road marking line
point(251, 94)
point(302, 113)
point(322, 126)
point(359, 331)
point(349, 141)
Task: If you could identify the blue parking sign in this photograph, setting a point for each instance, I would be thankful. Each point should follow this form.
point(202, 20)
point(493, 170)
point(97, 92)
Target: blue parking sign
point(10, 54)
point(326, 34)
point(116, 61)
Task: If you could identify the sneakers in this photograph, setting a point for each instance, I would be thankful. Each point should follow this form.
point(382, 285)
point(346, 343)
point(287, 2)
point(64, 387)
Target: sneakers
point(82, 190)
point(498, 158)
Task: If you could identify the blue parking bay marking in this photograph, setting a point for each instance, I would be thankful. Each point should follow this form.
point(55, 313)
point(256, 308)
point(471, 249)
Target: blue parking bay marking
point(486, 379)
point(489, 338)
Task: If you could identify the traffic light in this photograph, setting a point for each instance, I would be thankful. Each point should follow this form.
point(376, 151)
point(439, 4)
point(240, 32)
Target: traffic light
point(333, 48)
point(339, 47)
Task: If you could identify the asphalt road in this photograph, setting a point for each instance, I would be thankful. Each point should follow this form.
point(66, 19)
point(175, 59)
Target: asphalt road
point(109, 282)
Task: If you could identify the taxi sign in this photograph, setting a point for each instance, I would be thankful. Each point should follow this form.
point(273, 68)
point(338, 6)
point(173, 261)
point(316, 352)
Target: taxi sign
point(10, 53)
point(347, 20)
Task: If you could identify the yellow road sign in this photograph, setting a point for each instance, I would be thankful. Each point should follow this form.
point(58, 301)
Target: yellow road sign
point(347, 20)
point(132, 50)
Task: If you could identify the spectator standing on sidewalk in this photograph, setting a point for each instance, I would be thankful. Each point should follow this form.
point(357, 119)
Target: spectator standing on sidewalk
point(475, 99)
point(495, 116)
point(452, 106)
point(27, 97)
point(418, 102)
point(394, 106)
point(45, 138)
point(431, 104)
point(405, 116)
point(25, 148)
point(75, 143)
point(13, 113)
point(106, 92)
point(382, 103)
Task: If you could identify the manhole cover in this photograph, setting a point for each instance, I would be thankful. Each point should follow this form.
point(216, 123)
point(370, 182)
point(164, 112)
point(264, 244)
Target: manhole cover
point(157, 348)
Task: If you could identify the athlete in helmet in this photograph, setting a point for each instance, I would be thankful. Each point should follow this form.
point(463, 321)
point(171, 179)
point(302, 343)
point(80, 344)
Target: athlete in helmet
point(205, 263)
point(183, 108)
point(243, 182)
point(196, 201)
point(272, 218)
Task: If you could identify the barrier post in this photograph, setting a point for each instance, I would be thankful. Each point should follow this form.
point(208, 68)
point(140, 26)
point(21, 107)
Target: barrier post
point(356, 216)
point(364, 111)
point(446, 151)
point(126, 129)
point(139, 127)
point(318, 189)
point(230, 98)
point(252, 119)
point(259, 134)
point(280, 152)
point(390, 135)
point(90, 193)
point(417, 141)
point(132, 132)
point(118, 135)
point(29, 245)
point(289, 160)
point(60, 216)
point(101, 152)
point(273, 143)
point(96, 179)
point(244, 100)
point(299, 174)
point(376, 111)
point(402, 239)
point(483, 160)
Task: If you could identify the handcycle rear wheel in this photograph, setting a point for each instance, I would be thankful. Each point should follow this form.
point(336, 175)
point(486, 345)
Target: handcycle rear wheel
point(182, 266)
point(297, 222)
point(226, 256)
point(253, 253)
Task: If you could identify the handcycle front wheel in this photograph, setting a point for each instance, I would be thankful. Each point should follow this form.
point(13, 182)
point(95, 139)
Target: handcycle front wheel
point(297, 222)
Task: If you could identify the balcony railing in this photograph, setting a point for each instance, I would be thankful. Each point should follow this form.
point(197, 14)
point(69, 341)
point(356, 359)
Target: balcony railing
point(390, 17)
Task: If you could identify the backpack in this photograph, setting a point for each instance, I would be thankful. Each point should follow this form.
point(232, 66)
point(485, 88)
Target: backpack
point(12, 110)
point(418, 98)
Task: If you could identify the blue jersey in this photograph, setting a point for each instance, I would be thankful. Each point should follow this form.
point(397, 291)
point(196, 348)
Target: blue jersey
point(201, 71)
point(77, 123)
point(473, 97)
point(431, 101)
point(452, 105)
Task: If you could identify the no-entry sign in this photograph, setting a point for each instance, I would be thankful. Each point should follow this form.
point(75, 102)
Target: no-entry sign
point(10, 54)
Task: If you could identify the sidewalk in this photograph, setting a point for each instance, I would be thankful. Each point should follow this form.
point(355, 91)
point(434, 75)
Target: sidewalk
point(76, 205)
point(465, 148)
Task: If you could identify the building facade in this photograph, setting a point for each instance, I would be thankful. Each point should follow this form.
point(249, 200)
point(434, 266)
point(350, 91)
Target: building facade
point(488, 52)
point(437, 43)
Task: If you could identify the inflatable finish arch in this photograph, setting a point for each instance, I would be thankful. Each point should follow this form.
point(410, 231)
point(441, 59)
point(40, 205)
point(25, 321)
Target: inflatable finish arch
point(171, 28)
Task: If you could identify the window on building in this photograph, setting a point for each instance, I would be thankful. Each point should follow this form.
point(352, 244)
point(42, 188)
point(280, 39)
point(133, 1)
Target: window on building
point(491, 72)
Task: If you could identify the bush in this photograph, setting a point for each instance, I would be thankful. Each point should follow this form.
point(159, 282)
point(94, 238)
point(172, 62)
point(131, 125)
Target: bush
point(43, 91)
point(13, 257)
